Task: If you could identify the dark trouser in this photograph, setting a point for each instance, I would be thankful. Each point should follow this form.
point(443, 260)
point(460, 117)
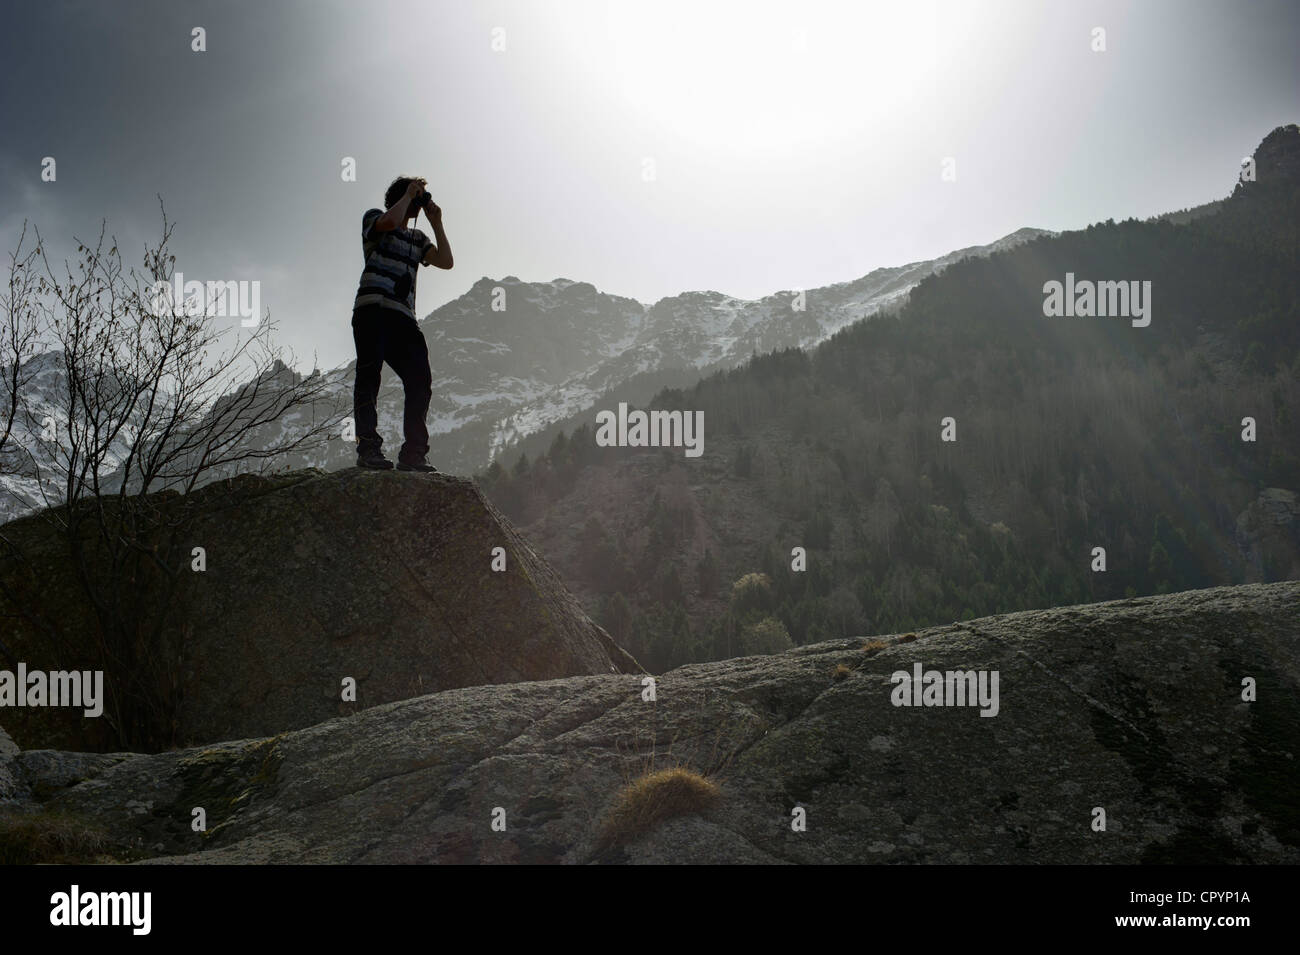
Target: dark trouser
point(384, 335)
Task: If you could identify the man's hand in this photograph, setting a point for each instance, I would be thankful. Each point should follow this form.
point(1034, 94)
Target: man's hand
point(439, 254)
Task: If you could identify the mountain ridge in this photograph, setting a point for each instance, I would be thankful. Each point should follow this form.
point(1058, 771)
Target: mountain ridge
point(1070, 435)
point(578, 343)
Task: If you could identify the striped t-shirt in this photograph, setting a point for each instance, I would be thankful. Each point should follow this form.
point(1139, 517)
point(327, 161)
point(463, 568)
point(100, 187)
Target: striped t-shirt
point(392, 259)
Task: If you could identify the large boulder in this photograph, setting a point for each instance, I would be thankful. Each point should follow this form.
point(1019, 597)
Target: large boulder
point(311, 579)
point(1135, 707)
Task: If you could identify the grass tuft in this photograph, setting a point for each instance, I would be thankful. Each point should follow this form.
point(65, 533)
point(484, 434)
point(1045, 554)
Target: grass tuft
point(47, 838)
point(654, 797)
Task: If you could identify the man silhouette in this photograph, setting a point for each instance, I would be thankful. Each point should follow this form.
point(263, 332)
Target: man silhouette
point(383, 321)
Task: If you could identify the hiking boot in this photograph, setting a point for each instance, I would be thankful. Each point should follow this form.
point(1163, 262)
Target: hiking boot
point(416, 466)
point(373, 460)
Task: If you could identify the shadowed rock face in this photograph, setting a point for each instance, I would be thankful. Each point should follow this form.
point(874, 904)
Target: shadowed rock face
point(384, 577)
point(1134, 706)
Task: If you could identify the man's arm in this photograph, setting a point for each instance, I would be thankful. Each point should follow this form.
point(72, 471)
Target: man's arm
point(439, 253)
point(395, 217)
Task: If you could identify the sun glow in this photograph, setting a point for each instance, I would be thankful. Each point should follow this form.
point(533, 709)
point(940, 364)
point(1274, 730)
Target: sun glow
point(755, 76)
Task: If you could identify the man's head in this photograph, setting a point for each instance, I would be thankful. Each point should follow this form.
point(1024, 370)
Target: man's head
point(396, 191)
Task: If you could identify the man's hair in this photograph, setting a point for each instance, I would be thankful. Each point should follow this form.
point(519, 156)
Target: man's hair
point(396, 190)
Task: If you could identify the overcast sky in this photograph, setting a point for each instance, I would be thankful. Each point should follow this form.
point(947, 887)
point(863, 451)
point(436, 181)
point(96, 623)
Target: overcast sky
point(647, 147)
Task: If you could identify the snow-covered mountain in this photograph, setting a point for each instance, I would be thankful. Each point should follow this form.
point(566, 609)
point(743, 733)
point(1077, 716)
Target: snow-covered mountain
point(556, 347)
point(29, 475)
point(510, 357)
